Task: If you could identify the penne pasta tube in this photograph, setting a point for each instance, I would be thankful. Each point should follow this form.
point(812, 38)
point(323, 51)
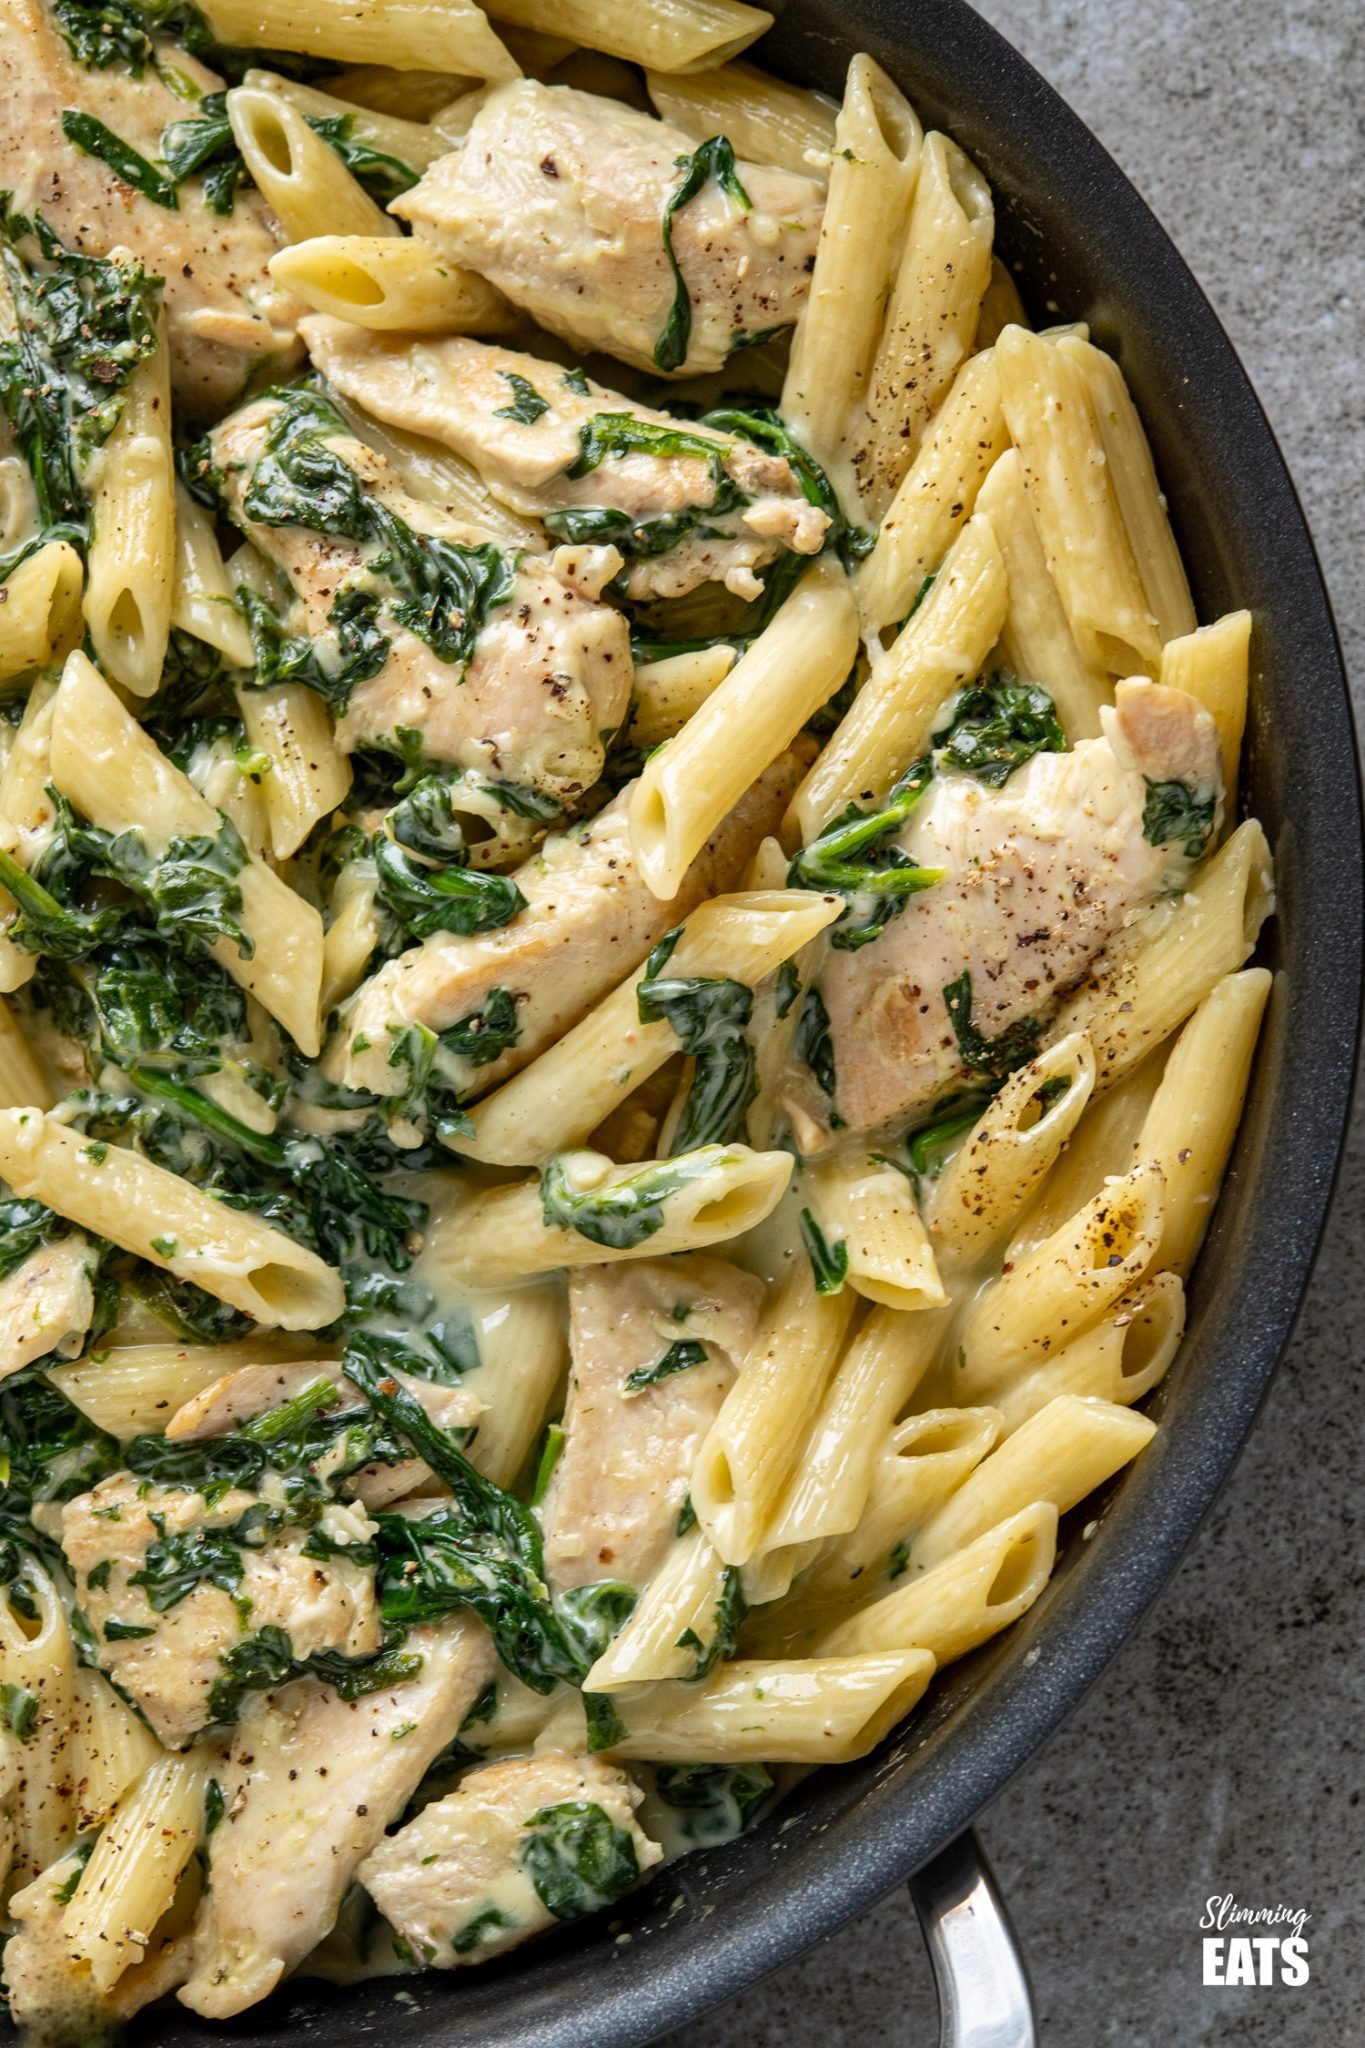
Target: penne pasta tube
point(666, 693)
point(113, 1748)
point(877, 142)
point(880, 1370)
point(302, 177)
point(1120, 1359)
point(1211, 665)
point(750, 1450)
point(930, 319)
point(135, 1867)
point(202, 601)
point(866, 1206)
point(670, 35)
point(1128, 459)
point(1052, 423)
point(888, 723)
point(409, 95)
point(406, 35)
point(434, 473)
point(353, 932)
point(38, 1659)
point(410, 139)
point(134, 1389)
point(1187, 1133)
point(1059, 1455)
point(40, 622)
point(1054, 1294)
point(793, 667)
point(309, 776)
point(585, 1211)
point(819, 1710)
point(939, 490)
point(674, 1621)
point(1168, 961)
point(1099, 1149)
point(957, 1605)
point(131, 561)
point(116, 775)
point(765, 120)
point(983, 1190)
point(23, 1084)
point(1001, 307)
point(389, 282)
point(522, 1356)
point(557, 1101)
point(1036, 640)
point(153, 1213)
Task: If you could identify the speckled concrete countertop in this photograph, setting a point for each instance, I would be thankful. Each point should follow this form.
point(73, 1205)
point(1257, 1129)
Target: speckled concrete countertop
point(1223, 1752)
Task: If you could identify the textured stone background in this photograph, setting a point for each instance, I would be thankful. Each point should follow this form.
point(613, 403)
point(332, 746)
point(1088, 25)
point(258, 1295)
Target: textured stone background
point(1223, 1750)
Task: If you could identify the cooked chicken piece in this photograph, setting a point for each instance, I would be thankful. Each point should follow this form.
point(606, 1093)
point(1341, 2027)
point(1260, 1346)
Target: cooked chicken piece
point(170, 1665)
point(589, 921)
point(462, 393)
point(1038, 877)
point(612, 1506)
point(310, 1785)
point(228, 320)
point(459, 1882)
point(46, 1305)
point(559, 198)
point(51, 1994)
point(550, 671)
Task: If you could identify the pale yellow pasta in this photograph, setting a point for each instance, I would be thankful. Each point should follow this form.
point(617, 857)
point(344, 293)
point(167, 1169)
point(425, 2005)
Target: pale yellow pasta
point(930, 318)
point(353, 931)
point(1122, 1358)
point(1211, 665)
point(716, 1193)
point(1188, 1131)
point(938, 491)
point(561, 1097)
point(1099, 1149)
point(305, 181)
point(765, 120)
point(883, 1364)
point(19, 516)
point(959, 1604)
point(116, 1193)
point(410, 95)
point(1054, 1294)
point(135, 1867)
point(1129, 461)
point(1059, 1455)
point(1171, 958)
point(795, 665)
point(1052, 422)
point(134, 1389)
point(309, 776)
point(819, 1710)
point(25, 806)
point(131, 561)
point(37, 1657)
point(1036, 641)
point(666, 693)
point(864, 1205)
point(410, 140)
point(889, 721)
point(1001, 306)
point(981, 1193)
point(408, 35)
point(113, 1748)
point(384, 282)
point(670, 35)
point(877, 143)
point(682, 1596)
point(40, 619)
point(116, 775)
point(522, 1357)
point(202, 602)
point(22, 1081)
point(750, 1450)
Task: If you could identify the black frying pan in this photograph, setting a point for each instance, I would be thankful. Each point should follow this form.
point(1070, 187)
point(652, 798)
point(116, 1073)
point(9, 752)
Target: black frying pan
point(706, 1928)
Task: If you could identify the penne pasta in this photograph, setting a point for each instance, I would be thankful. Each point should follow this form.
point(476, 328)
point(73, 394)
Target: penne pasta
point(1125, 1355)
point(128, 583)
point(670, 35)
point(820, 1710)
point(308, 776)
point(203, 602)
point(136, 1865)
point(865, 1206)
point(305, 181)
point(40, 622)
point(1211, 665)
point(409, 139)
point(408, 35)
point(767, 121)
point(386, 282)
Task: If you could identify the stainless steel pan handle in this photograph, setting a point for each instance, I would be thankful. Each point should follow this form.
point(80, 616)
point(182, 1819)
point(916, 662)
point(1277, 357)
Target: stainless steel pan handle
point(983, 1993)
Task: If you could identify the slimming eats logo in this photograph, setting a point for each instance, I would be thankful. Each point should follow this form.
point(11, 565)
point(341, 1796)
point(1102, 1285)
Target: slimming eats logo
point(1254, 1958)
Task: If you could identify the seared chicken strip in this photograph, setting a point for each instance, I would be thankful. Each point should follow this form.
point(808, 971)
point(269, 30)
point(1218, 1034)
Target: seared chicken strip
point(1037, 877)
point(645, 467)
point(228, 320)
point(561, 199)
point(459, 1883)
point(310, 1784)
point(47, 1304)
point(589, 921)
point(612, 1507)
point(168, 1662)
point(550, 670)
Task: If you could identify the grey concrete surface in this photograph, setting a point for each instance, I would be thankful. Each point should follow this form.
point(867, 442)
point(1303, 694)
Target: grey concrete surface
point(1223, 1751)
